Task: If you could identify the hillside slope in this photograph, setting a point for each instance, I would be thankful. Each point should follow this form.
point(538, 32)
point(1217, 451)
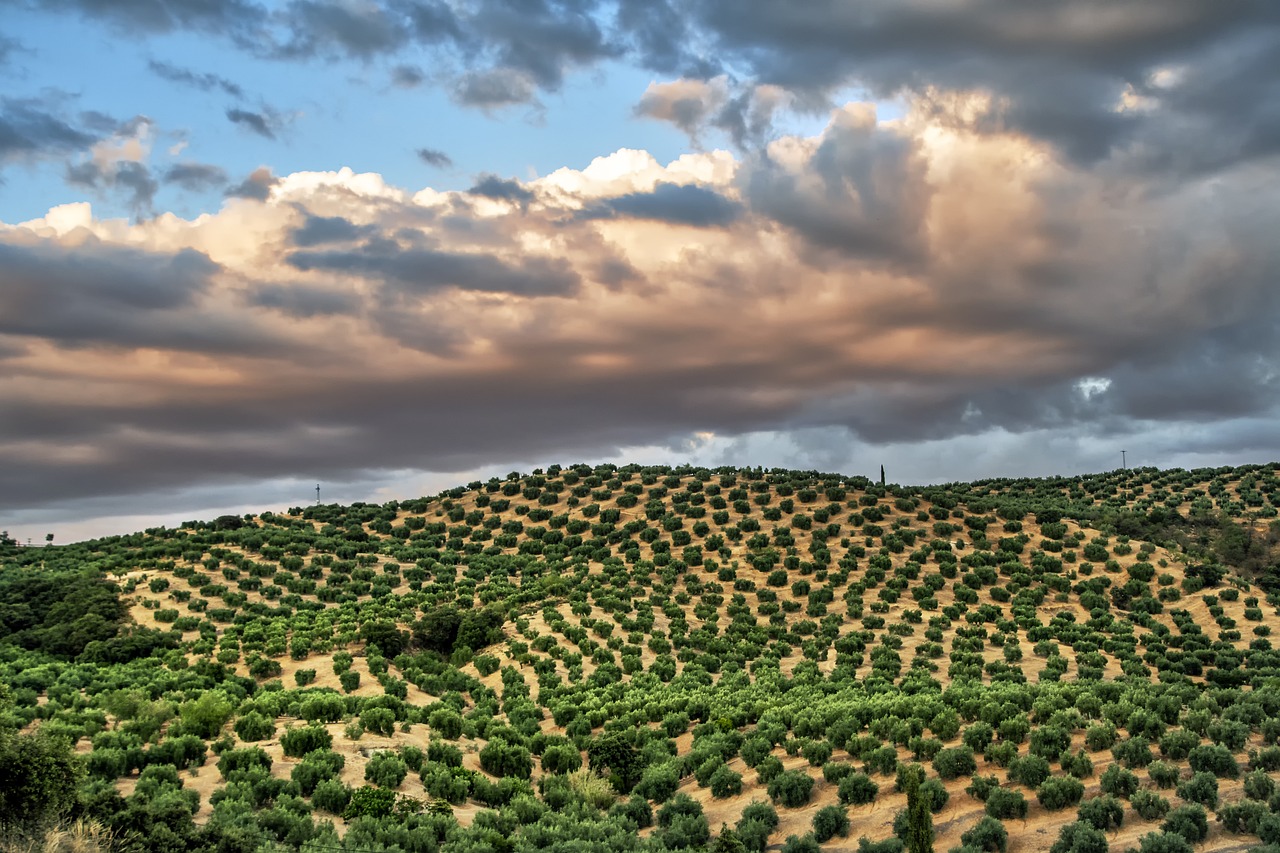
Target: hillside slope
point(705, 639)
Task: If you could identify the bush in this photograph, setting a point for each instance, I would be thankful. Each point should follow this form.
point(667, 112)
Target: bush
point(560, 758)
point(501, 758)
point(1244, 817)
point(802, 844)
point(768, 769)
point(658, 782)
point(955, 762)
point(1189, 821)
point(1164, 774)
point(1215, 759)
point(1259, 786)
point(1100, 736)
point(386, 770)
point(254, 726)
point(1029, 770)
point(1006, 804)
point(635, 809)
point(331, 796)
point(1105, 812)
point(791, 788)
point(725, 782)
point(1080, 837)
point(370, 802)
point(817, 752)
point(1059, 792)
point(1119, 782)
point(682, 825)
point(763, 812)
point(830, 821)
point(1148, 804)
point(298, 741)
point(987, 834)
point(303, 677)
point(981, 787)
point(858, 789)
point(317, 767)
point(1201, 788)
point(350, 680)
point(1164, 842)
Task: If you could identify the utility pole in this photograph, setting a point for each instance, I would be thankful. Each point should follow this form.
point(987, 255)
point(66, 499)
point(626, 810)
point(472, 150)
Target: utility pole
point(317, 494)
point(1123, 462)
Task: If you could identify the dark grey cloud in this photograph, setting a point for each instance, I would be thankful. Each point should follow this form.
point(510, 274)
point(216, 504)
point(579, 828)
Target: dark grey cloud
point(8, 47)
point(407, 76)
point(501, 189)
point(133, 179)
point(196, 177)
point(256, 186)
point(204, 81)
point(94, 293)
point(322, 230)
point(244, 23)
point(29, 129)
point(319, 27)
point(1058, 70)
point(677, 204)
point(420, 271)
point(494, 88)
point(259, 123)
point(435, 158)
point(303, 302)
point(863, 193)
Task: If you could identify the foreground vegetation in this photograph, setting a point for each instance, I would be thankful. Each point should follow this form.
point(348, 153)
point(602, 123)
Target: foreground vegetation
point(650, 658)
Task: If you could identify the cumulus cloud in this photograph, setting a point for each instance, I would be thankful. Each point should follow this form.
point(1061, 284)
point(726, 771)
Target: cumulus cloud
point(881, 285)
point(256, 186)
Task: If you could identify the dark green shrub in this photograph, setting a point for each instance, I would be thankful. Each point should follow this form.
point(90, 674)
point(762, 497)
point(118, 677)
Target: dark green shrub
point(1105, 812)
point(331, 796)
point(955, 762)
point(1080, 837)
point(1006, 804)
point(1201, 788)
point(725, 782)
point(830, 821)
point(1119, 782)
point(802, 844)
point(1164, 774)
point(791, 788)
point(858, 789)
point(298, 741)
point(987, 834)
point(1059, 792)
point(1029, 770)
point(386, 770)
point(1189, 821)
point(254, 727)
point(1215, 759)
point(1148, 804)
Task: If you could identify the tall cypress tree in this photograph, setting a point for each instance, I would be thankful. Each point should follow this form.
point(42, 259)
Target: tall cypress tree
point(919, 820)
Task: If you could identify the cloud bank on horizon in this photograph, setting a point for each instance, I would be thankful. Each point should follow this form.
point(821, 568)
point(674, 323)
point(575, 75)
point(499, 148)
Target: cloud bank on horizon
point(970, 239)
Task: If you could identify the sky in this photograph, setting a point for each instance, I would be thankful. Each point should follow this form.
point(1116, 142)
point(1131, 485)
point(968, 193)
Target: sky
point(393, 246)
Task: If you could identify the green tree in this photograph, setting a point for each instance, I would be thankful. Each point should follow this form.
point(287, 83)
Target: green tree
point(39, 774)
point(919, 830)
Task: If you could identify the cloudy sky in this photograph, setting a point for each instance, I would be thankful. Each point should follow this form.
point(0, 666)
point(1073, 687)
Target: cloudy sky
point(389, 246)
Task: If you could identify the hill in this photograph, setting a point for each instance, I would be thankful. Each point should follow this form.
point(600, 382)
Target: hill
point(618, 658)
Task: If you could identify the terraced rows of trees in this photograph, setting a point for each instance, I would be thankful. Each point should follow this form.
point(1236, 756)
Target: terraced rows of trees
point(618, 658)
